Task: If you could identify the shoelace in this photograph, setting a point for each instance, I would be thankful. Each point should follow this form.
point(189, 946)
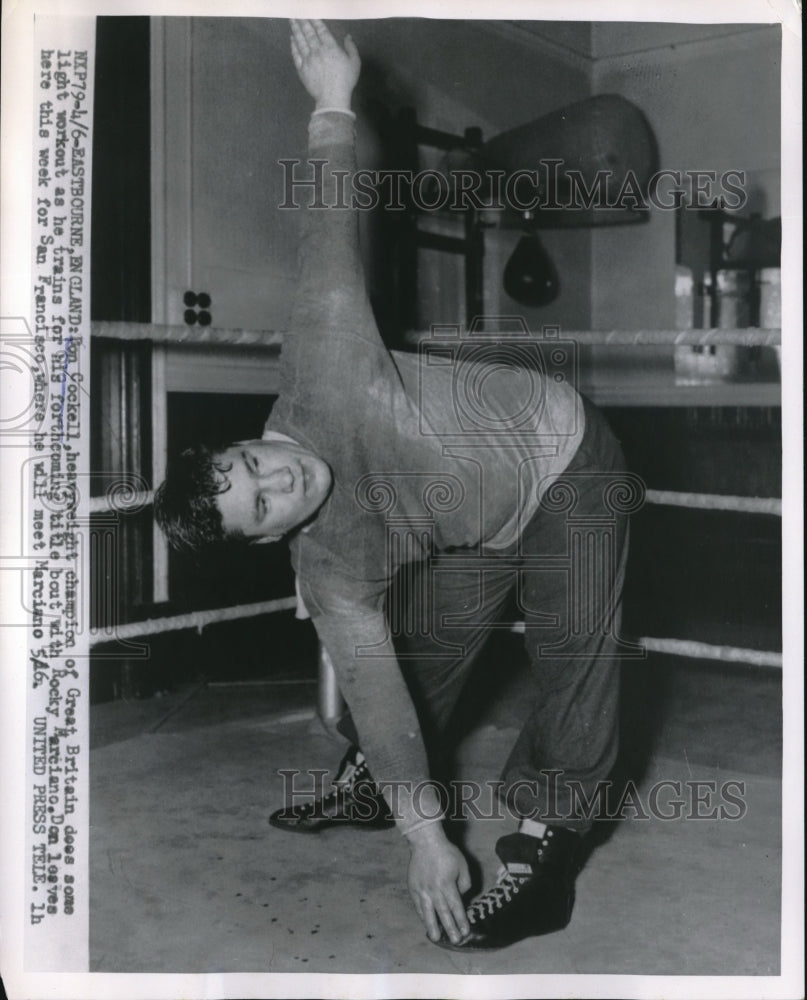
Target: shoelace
point(507, 885)
point(351, 774)
point(344, 783)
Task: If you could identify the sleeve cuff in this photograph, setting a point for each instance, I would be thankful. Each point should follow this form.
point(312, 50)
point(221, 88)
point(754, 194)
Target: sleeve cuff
point(406, 831)
point(338, 111)
point(329, 126)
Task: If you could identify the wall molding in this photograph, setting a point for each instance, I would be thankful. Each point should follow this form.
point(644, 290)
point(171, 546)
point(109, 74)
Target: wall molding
point(590, 63)
point(732, 38)
point(539, 43)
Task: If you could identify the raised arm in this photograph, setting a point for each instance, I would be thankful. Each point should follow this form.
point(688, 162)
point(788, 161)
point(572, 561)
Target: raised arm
point(328, 72)
point(333, 338)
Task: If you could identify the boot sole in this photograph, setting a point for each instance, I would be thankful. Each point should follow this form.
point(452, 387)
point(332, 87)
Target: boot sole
point(449, 945)
point(326, 824)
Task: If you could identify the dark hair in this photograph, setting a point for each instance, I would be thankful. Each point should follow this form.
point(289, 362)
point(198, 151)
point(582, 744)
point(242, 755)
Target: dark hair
point(185, 504)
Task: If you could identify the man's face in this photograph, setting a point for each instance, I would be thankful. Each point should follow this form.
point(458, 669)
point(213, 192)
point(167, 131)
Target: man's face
point(274, 487)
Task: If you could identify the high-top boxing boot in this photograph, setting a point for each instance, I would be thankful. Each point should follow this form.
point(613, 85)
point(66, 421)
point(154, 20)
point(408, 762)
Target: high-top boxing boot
point(533, 894)
point(354, 800)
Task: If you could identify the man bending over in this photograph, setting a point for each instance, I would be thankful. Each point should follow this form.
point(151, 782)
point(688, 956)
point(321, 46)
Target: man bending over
point(408, 538)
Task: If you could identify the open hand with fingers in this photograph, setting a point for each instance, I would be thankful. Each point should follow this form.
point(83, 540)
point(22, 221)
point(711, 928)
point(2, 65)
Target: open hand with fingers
point(327, 71)
point(438, 874)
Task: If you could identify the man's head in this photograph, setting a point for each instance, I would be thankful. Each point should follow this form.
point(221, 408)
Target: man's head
point(254, 491)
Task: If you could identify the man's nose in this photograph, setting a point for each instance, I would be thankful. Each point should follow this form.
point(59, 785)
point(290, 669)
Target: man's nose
point(278, 480)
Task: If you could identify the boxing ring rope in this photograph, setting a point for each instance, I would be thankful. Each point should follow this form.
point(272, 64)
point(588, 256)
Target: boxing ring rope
point(706, 651)
point(329, 699)
point(716, 501)
point(195, 619)
point(674, 647)
point(695, 650)
point(133, 502)
point(185, 335)
point(214, 616)
point(213, 336)
point(670, 498)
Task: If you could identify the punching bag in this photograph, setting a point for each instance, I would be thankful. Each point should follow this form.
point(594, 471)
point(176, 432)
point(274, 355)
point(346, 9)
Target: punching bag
point(606, 138)
point(530, 276)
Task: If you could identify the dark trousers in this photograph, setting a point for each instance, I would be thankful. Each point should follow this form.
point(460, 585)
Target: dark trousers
point(566, 575)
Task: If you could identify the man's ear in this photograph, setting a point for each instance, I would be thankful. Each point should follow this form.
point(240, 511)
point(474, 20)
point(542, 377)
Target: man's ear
point(265, 539)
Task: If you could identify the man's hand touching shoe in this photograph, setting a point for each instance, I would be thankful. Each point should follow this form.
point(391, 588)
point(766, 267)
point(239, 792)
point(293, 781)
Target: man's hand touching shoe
point(438, 874)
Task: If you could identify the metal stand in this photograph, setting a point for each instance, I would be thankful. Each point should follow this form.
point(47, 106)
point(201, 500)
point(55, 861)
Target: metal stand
point(330, 702)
